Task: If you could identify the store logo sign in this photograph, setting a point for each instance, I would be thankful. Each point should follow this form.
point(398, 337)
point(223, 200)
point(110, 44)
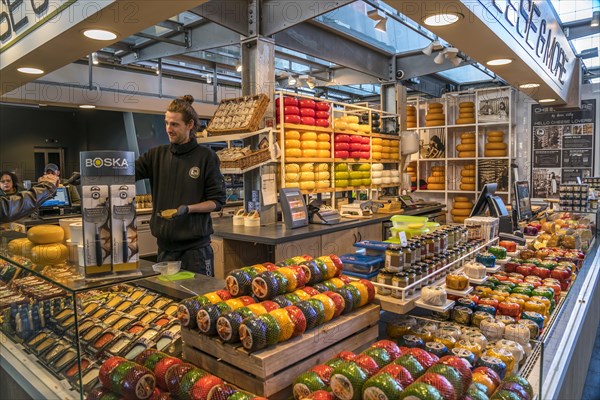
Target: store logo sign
point(19, 17)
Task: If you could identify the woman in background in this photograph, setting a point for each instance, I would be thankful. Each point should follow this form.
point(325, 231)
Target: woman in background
point(9, 183)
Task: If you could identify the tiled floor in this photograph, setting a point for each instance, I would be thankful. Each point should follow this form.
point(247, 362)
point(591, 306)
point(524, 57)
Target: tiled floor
point(591, 390)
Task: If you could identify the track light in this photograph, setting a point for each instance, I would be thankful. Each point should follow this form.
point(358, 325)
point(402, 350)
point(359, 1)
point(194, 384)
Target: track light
point(456, 61)
point(430, 47)
point(375, 14)
point(238, 66)
point(595, 19)
point(209, 79)
point(292, 80)
point(95, 58)
point(439, 59)
point(451, 52)
point(381, 26)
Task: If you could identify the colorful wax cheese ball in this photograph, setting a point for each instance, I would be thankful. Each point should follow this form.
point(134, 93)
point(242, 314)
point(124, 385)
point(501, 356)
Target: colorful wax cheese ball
point(347, 381)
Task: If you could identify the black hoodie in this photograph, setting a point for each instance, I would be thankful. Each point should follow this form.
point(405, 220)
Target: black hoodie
point(182, 175)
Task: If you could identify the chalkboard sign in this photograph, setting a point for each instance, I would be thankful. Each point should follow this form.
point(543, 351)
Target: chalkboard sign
point(293, 208)
point(562, 147)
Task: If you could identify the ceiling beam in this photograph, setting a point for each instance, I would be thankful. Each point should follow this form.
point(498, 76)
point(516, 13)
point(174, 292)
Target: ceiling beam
point(420, 64)
point(315, 41)
point(203, 37)
point(231, 14)
point(580, 28)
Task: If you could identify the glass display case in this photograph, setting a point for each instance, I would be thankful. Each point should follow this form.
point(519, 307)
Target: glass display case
point(57, 327)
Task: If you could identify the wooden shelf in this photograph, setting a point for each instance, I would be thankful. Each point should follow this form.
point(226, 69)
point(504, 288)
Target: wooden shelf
point(307, 160)
point(461, 125)
point(462, 191)
point(385, 136)
point(462, 158)
point(310, 128)
point(317, 191)
point(431, 159)
point(430, 191)
point(494, 123)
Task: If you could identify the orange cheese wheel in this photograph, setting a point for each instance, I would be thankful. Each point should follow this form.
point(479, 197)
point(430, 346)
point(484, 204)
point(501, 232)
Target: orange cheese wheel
point(462, 198)
point(309, 153)
point(436, 186)
point(466, 115)
point(323, 154)
point(467, 172)
point(432, 106)
point(499, 139)
point(495, 133)
point(463, 205)
point(495, 153)
point(323, 145)
point(495, 146)
point(376, 155)
point(323, 137)
point(46, 234)
point(467, 135)
point(292, 144)
point(468, 141)
point(438, 168)
point(462, 121)
point(466, 154)
point(470, 166)
point(466, 104)
point(308, 136)
point(465, 147)
point(459, 220)
point(411, 118)
point(435, 116)
point(467, 186)
point(438, 174)
point(466, 110)
point(436, 179)
point(376, 140)
point(411, 125)
point(292, 135)
point(411, 169)
point(467, 179)
point(308, 144)
point(460, 212)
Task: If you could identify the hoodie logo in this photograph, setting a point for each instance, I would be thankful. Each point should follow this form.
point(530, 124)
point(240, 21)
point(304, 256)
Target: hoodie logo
point(194, 172)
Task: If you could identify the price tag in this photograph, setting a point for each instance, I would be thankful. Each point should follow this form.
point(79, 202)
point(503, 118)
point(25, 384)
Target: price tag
point(402, 237)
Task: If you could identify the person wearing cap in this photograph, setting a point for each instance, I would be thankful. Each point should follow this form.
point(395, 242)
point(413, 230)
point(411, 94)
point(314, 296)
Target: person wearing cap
point(187, 185)
point(52, 169)
point(22, 204)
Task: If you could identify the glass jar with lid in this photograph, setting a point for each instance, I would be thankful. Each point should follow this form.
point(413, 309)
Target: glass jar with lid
point(394, 258)
point(400, 280)
point(384, 277)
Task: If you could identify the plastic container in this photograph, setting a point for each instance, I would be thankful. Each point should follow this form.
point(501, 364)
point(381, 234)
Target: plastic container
point(361, 263)
point(167, 267)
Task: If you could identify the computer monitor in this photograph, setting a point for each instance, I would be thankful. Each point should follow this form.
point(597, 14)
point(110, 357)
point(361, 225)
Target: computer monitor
point(523, 200)
point(60, 199)
point(489, 189)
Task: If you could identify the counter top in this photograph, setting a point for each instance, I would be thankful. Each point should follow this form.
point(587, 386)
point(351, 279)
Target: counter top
point(277, 233)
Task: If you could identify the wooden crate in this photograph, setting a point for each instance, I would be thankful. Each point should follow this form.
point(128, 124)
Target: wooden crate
point(270, 372)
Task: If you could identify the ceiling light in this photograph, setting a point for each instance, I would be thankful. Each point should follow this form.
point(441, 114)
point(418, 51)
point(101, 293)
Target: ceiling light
point(209, 79)
point(442, 19)
point(430, 47)
point(292, 80)
point(238, 66)
point(439, 59)
point(499, 61)
point(546, 100)
point(100, 34)
point(87, 106)
point(595, 19)
point(529, 85)
point(375, 15)
point(311, 84)
point(95, 58)
point(451, 52)
point(456, 61)
point(381, 26)
point(31, 70)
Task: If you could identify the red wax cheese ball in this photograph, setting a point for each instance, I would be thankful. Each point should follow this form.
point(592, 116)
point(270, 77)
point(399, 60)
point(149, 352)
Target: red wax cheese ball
point(308, 112)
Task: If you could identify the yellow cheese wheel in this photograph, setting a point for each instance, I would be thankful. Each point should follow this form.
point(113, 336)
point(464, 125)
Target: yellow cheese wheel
point(411, 118)
point(495, 153)
point(45, 234)
point(321, 167)
point(436, 179)
point(467, 135)
point(467, 186)
point(323, 145)
point(307, 167)
point(459, 220)
point(411, 169)
point(322, 176)
point(395, 144)
point(323, 137)
point(467, 179)
point(411, 124)
point(438, 168)
point(20, 247)
point(467, 172)
point(495, 133)
point(323, 154)
point(309, 153)
point(376, 155)
point(438, 174)
point(465, 147)
point(467, 141)
point(431, 116)
point(292, 184)
point(49, 254)
point(307, 185)
point(308, 144)
point(462, 121)
point(463, 205)
point(377, 141)
point(470, 166)
point(308, 136)
point(461, 199)
point(292, 177)
point(498, 139)
point(436, 186)
point(376, 147)
point(385, 143)
point(395, 156)
point(293, 152)
point(292, 144)
point(466, 115)
point(322, 184)
point(292, 168)
point(466, 154)
point(466, 104)
point(460, 212)
point(432, 106)
point(292, 135)
point(495, 146)
point(307, 176)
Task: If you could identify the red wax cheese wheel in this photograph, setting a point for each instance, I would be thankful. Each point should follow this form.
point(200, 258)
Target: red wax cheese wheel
point(291, 110)
point(292, 119)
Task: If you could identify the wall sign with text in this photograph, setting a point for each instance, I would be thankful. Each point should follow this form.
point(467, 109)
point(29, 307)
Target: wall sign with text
point(562, 147)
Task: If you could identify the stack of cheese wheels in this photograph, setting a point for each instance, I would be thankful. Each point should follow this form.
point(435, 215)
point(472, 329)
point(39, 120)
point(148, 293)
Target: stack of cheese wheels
point(306, 176)
point(376, 149)
point(437, 180)
point(47, 248)
point(461, 209)
point(467, 177)
point(411, 169)
point(466, 110)
point(291, 110)
point(377, 174)
point(390, 149)
point(292, 144)
point(308, 144)
point(411, 117)
point(360, 175)
point(323, 145)
point(342, 175)
point(466, 148)
point(322, 176)
point(495, 146)
point(292, 175)
point(435, 115)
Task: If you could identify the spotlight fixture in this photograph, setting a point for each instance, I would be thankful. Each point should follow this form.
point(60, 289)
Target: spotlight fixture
point(529, 85)
point(311, 83)
point(499, 61)
point(99, 34)
point(595, 19)
point(456, 61)
point(381, 26)
point(439, 59)
point(292, 80)
point(30, 70)
point(209, 79)
point(238, 66)
point(375, 14)
point(430, 47)
point(95, 58)
point(442, 19)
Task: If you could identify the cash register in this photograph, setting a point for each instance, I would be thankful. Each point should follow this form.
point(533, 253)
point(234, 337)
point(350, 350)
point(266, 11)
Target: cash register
point(59, 205)
point(409, 204)
point(321, 213)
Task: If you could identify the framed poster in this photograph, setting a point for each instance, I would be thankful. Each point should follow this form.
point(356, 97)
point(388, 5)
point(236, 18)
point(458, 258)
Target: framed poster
point(562, 147)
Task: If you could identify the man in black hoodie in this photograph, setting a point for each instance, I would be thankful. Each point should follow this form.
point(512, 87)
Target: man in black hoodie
point(187, 185)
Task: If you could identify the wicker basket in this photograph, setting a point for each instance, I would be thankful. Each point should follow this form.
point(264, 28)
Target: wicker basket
point(227, 118)
point(250, 160)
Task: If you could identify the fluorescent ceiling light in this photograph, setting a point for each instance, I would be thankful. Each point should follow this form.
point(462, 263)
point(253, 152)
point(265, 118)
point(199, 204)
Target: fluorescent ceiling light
point(381, 26)
point(100, 34)
point(595, 19)
point(546, 100)
point(499, 61)
point(30, 70)
point(442, 19)
point(87, 106)
point(529, 85)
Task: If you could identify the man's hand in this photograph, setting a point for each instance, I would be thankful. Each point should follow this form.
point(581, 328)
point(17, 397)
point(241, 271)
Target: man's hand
point(181, 211)
point(49, 178)
point(175, 213)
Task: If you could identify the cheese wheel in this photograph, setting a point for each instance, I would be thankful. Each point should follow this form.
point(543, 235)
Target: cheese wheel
point(340, 175)
point(321, 167)
point(466, 154)
point(466, 115)
point(468, 141)
point(431, 124)
point(309, 153)
point(323, 137)
point(467, 172)
point(323, 145)
point(411, 125)
point(49, 254)
point(467, 135)
point(470, 166)
point(462, 198)
point(459, 220)
point(377, 147)
point(292, 144)
point(498, 139)
point(308, 136)
point(292, 135)
point(460, 212)
point(495, 153)
point(292, 177)
point(376, 155)
point(436, 186)
point(495, 133)
point(466, 109)
point(395, 156)
point(292, 168)
point(308, 144)
point(462, 205)
point(292, 184)
point(377, 141)
point(20, 247)
point(466, 104)
point(322, 184)
point(307, 167)
point(432, 106)
point(431, 116)
point(438, 174)
point(307, 185)
point(306, 176)
point(411, 169)
point(411, 118)
point(465, 147)
point(45, 234)
point(436, 179)
point(293, 152)
point(385, 143)
point(462, 121)
point(495, 146)
point(467, 179)
point(467, 186)
point(438, 168)
point(323, 154)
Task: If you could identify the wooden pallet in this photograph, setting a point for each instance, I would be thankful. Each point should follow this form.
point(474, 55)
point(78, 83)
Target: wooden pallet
point(270, 372)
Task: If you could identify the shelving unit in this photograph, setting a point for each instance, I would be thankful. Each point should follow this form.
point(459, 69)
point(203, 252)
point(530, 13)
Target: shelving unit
point(450, 133)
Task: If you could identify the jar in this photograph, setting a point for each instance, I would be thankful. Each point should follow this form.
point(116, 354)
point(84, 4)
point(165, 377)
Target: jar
point(384, 277)
point(443, 240)
point(437, 243)
point(408, 256)
point(430, 246)
point(399, 280)
point(394, 258)
point(418, 250)
point(450, 235)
